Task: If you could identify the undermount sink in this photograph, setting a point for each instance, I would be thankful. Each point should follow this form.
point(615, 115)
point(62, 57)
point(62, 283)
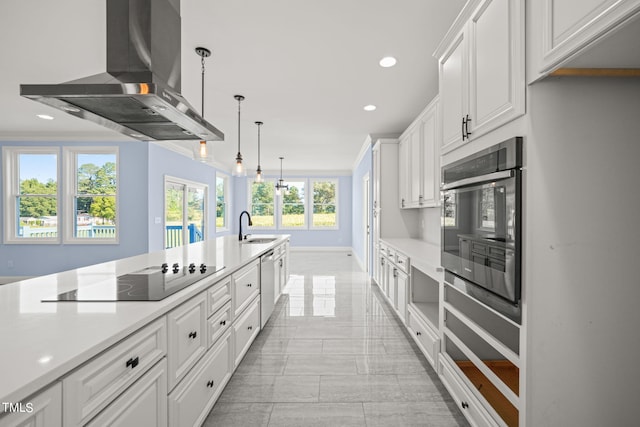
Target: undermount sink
point(260, 240)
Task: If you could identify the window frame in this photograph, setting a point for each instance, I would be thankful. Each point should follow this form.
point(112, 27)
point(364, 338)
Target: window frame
point(11, 190)
point(275, 203)
point(227, 202)
point(336, 182)
point(70, 184)
point(280, 205)
point(185, 200)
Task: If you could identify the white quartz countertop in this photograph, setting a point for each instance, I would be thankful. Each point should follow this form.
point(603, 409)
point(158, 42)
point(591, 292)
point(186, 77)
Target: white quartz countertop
point(424, 256)
point(42, 341)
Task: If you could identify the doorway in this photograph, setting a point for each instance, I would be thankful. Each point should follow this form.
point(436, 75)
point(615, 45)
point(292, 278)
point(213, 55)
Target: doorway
point(366, 211)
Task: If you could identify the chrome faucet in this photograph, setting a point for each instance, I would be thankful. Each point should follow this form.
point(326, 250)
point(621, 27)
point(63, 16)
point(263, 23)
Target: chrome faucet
point(240, 236)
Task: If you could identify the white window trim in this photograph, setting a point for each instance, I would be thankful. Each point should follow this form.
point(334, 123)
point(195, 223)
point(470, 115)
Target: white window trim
point(187, 183)
point(11, 180)
point(70, 167)
point(337, 204)
point(306, 205)
point(275, 204)
point(227, 201)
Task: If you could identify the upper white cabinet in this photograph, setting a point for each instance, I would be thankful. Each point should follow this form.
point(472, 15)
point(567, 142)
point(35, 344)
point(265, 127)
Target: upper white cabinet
point(563, 29)
point(419, 160)
point(481, 65)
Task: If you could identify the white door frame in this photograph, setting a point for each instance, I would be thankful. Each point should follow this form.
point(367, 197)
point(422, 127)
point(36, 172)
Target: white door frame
point(366, 207)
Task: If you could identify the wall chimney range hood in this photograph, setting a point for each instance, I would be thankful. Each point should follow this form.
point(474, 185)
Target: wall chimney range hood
point(139, 94)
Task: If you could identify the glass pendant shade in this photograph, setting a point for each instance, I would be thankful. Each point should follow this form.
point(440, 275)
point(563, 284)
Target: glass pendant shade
point(202, 152)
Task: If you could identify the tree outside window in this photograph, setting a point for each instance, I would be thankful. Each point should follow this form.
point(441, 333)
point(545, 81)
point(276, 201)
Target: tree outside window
point(293, 205)
point(324, 204)
point(262, 204)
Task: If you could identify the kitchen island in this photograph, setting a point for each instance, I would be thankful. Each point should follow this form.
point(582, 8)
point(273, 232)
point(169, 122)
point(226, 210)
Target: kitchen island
point(45, 342)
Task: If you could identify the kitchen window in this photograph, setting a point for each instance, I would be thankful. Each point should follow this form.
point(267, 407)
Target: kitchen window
point(31, 194)
point(325, 204)
point(292, 206)
point(262, 203)
point(185, 212)
point(91, 194)
point(222, 203)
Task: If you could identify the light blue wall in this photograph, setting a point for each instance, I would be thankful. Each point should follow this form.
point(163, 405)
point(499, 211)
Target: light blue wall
point(164, 162)
point(327, 238)
point(32, 260)
point(360, 171)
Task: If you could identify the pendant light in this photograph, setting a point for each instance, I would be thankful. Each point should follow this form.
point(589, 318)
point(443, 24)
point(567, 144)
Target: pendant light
point(259, 170)
point(239, 169)
point(280, 185)
point(201, 152)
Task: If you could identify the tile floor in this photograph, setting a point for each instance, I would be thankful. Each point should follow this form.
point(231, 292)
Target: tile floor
point(333, 354)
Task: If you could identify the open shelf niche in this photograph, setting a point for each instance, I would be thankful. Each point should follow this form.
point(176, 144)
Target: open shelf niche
point(424, 297)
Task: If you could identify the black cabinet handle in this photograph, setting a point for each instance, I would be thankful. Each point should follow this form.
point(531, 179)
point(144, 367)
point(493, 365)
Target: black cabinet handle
point(210, 384)
point(418, 333)
point(250, 327)
point(465, 405)
point(466, 126)
point(463, 123)
point(132, 363)
point(248, 285)
point(223, 322)
point(193, 334)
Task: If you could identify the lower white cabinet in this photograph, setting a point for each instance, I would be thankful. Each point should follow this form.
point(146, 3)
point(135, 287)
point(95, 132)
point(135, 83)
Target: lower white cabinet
point(426, 338)
point(142, 404)
point(187, 326)
point(194, 397)
point(46, 410)
point(402, 284)
point(245, 329)
point(468, 404)
point(246, 285)
point(219, 323)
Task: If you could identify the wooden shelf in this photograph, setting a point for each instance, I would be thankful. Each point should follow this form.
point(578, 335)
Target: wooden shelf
point(508, 373)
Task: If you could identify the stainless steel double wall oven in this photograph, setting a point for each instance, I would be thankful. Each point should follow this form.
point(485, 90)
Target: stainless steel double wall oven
point(481, 226)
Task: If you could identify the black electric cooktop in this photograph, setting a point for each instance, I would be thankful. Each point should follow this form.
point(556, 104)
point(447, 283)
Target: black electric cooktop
point(150, 284)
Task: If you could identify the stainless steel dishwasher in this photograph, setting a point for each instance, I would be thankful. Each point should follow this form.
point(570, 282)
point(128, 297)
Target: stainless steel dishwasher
point(267, 282)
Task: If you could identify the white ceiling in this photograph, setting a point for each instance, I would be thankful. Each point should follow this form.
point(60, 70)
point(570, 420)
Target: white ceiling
point(306, 69)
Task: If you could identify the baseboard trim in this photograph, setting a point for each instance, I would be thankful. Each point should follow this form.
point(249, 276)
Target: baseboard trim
point(358, 260)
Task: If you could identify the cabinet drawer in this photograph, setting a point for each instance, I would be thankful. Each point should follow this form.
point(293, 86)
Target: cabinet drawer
point(402, 262)
point(245, 330)
point(187, 326)
point(191, 401)
point(142, 404)
point(92, 387)
point(425, 337)
point(468, 404)
point(218, 323)
point(218, 295)
point(246, 286)
point(47, 410)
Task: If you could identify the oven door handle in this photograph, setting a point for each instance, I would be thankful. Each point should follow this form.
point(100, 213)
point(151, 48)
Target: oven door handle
point(478, 179)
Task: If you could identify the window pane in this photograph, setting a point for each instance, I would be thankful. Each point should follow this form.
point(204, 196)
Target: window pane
point(96, 174)
point(37, 215)
point(262, 202)
point(173, 215)
point(195, 214)
point(221, 204)
point(324, 204)
point(95, 217)
point(293, 205)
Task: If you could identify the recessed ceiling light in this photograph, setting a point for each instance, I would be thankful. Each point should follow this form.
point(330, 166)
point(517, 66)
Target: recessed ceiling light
point(369, 107)
point(137, 135)
point(388, 61)
point(70, 109)
point(45, 116)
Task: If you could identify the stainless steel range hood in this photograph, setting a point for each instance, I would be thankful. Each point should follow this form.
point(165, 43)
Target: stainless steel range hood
point(139, 95)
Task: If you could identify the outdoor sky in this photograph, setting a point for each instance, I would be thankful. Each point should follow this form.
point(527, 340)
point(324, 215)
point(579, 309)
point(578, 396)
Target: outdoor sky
point(43, 166)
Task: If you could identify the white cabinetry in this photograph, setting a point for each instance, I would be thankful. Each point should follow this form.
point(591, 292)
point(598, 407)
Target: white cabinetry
point(143, 404)
point(245, 330)
point(246, 286)
point(47, 410)
point(563, 28)
point(419, 166)
point(481, 66)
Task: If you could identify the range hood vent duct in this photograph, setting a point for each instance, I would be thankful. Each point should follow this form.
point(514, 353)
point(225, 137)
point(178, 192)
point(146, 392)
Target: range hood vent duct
point(139, 94)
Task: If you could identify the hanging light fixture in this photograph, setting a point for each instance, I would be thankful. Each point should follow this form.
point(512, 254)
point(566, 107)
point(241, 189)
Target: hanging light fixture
point(201, 152)
point(259, 170)
point(239, 170)
point(280, 185)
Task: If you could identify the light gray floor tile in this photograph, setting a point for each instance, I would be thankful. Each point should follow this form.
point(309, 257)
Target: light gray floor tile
point(360, 388)
point(262, 364)
point(400, 346)
point(423, 388)
point(317, 414)
point(239, 415)
point(397, 414)
point(271, 388)
point(302, 346)
point(358, 346)
point(320, 365)
point(389, 364)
